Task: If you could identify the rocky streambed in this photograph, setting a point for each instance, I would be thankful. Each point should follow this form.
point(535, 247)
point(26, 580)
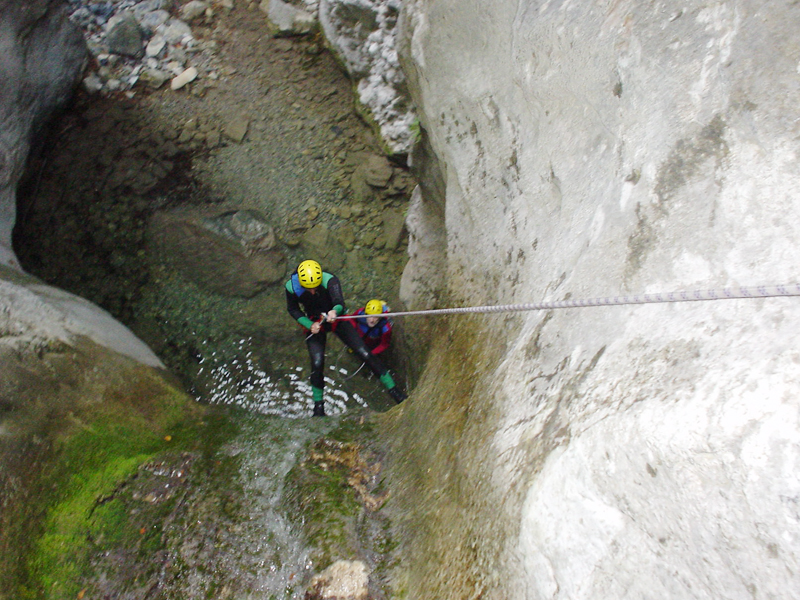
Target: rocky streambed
point(181, 210)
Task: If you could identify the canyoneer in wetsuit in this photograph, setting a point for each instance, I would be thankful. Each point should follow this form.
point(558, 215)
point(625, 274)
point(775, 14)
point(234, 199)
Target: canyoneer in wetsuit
point(314, 299)
point(374, 329)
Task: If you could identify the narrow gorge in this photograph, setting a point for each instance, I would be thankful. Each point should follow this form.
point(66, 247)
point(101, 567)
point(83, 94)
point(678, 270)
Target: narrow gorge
point(166, 165)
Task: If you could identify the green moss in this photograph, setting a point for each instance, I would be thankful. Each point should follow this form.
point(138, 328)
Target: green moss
point(416, 131)
point(326, 506)
point(62, 550)
point(95, 447)
point(322, 498)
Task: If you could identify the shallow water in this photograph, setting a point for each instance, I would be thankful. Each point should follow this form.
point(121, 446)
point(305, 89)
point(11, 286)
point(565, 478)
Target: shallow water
point(244, 384)
point(268, 556)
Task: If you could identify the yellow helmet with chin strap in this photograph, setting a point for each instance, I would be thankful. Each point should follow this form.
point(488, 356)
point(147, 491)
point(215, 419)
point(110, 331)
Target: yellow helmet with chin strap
point(310, 274)
point(374, 307)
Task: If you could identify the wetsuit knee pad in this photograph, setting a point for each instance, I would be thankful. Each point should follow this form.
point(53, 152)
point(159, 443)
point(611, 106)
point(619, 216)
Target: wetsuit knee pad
point(363, 353)
point(317, 361)
point(316, 351)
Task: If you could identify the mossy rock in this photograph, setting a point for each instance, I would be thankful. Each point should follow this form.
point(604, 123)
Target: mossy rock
point(336, 493)
point(78, 423)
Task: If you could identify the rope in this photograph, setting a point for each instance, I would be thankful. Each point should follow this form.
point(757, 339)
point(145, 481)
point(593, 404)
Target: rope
point(338, 362)
point(761, 291)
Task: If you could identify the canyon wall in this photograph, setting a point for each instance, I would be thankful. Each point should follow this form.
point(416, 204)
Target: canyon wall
point(578, 150)
point(82, 401)
point(42, 60)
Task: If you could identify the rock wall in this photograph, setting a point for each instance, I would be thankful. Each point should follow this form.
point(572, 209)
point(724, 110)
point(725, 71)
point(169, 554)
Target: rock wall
point(42, 54)
point(42, 60)
point(585, 150)
point(361, 34)
point(81, 404)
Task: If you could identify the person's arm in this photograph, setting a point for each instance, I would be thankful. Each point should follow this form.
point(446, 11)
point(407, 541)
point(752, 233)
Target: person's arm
point(334, 289)
point(293, 306)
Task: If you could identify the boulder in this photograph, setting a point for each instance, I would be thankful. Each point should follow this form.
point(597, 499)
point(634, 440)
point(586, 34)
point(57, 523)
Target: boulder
point(236, 127)
point(394, 221)
point(377, 171)
point(248, 227)
point(343, 580)
point(218, 253)
point(124, 36)
point(288, 19)
point(347, 24)
point(319, 244)
point(361, 34)
point(372, 172)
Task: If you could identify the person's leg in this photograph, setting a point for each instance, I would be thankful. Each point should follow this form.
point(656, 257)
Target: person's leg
point(316, 351)
point(348, 334)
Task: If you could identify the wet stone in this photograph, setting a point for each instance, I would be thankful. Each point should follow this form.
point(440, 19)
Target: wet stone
point(377, 171)
point(124, 35)
point(184, 78)
point(347, 237)
point(343, 580)
point(393, 227)
point(236, 128)
point(154, 78)
point(247, 227)
point(193, 9)
point(212, 261)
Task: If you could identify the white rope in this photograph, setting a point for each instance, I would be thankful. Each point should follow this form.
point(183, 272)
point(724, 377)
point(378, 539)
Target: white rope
point(761, 291)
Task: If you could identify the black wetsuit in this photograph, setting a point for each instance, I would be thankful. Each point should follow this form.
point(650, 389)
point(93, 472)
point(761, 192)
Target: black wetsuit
point(306, 308)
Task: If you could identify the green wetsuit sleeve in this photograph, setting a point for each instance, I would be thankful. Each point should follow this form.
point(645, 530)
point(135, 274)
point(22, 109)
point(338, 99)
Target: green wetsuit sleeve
point(305, 322)
point(339, 309)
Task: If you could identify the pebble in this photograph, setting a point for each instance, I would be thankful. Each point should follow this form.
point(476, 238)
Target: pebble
point(154, 78)
point(236, 129)
point(92, 84)
point(181, 80)
point(213, 139)
point(194, 9)
point(153, 20)
point(185, 136)
point(155, 46)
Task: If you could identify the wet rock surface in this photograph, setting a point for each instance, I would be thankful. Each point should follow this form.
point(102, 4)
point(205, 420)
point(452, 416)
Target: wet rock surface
point(215, 524)
point(343, 580)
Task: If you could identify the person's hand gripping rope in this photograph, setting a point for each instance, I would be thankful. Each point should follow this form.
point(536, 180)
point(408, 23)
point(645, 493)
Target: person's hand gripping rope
point(328, 317)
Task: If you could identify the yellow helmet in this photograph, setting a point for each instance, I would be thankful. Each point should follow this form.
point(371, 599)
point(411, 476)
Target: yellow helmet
point(374, 307)
point(310, 274)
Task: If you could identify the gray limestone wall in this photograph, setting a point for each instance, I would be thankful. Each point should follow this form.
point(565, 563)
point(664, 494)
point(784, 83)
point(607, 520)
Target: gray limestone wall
point(585, 150)
point(41, 60)
point(42, 55)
